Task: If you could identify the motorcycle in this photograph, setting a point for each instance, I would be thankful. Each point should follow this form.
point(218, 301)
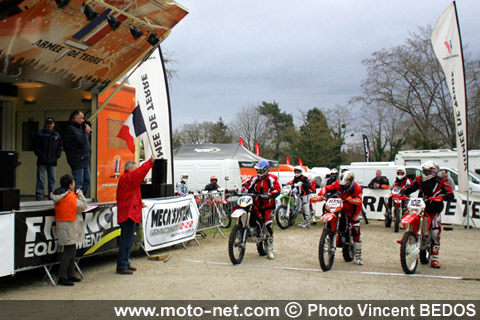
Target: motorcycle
point(248, 228)
point(397, 212)
point(336, 232)
point(211, 205)
point(289, 207)
point(415, 243)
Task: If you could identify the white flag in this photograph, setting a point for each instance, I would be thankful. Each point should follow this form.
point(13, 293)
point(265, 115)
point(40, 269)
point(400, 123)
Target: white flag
point(448, 49)
point(152, 97)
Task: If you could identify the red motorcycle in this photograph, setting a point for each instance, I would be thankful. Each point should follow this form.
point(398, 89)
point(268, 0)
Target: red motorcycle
point(211, 207)
point(396, 214)
point(415, 243)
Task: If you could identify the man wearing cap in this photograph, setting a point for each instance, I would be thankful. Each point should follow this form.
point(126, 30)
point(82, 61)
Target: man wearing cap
point(47, 146)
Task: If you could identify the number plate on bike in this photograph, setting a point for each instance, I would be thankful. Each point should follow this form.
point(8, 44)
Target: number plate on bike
point(416, 205)
point(333, 204)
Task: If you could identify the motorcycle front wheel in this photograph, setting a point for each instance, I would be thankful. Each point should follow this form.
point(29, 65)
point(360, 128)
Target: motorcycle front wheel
point(236, 248)
point(326, 251)
point(282, 220)
point(398, 217)
point(409, 253)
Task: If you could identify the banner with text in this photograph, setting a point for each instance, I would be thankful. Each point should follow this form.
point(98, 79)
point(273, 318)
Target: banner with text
point(7, 239)
point(169, 221)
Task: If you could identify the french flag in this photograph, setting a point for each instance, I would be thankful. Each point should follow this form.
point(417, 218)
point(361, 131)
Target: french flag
point(133, 127)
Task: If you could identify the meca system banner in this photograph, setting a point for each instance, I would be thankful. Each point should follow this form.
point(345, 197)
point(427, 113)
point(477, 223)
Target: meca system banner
point(169, 221)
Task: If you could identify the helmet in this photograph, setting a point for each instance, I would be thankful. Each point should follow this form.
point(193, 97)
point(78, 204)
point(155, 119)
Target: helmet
point(344, 169)
point(184, 177)
point(298, 168)
point(429, 170)
point(214, 177)
point(346, 180)
point(334, 171)
point(262, 168)
point(401, 173)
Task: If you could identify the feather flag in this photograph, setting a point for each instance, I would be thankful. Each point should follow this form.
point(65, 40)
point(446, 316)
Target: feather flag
point(300, 162)
point(257, 148)
point(242, 143)
point(133, 127)
point(288, 159)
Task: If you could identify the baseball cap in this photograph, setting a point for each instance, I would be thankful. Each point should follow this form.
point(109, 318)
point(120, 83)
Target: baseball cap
point(49, 120)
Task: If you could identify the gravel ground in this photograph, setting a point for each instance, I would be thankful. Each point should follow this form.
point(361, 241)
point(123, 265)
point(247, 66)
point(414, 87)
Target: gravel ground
point(205, 272)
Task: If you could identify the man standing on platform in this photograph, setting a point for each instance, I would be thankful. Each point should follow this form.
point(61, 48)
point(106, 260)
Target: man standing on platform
point(129, 210)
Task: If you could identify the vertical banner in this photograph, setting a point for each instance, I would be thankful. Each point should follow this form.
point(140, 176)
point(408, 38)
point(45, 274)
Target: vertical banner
point(151, 94)
point(257, 148)
point(447, 45)
point(300, 162)
point(288, 160)
point(366, 147)
point(242, 143)
point(7, 239)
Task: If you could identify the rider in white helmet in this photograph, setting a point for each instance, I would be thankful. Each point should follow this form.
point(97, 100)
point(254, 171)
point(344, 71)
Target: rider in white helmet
point(181, 188)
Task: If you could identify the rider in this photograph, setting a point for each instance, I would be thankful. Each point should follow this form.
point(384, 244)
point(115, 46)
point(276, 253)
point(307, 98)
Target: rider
point(264, 183)
point(181, 189)
point(401, 182)
point(351, 194)
point(333, 177)
point(436, 190)
point(212, 186)
point(303, 186)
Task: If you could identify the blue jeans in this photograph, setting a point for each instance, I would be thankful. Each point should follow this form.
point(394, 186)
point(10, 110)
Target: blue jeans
point(127, 236)
point(40, 188)
point(82, 179)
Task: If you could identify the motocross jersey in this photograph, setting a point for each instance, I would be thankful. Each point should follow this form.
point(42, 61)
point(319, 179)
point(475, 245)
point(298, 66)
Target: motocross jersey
point(305, 188)
point(211, 187)
point(181, 188)
point(403, 183)
point(433, 187)
point(355, 191)
point(265, 185)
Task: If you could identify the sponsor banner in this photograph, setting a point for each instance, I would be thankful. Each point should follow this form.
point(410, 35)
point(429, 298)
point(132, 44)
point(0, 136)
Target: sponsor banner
point(7, 239)
point(41, 42)
point(453, 212)
point(447, 45)
point(36, 241)
point(366, 148)
point(169, 221)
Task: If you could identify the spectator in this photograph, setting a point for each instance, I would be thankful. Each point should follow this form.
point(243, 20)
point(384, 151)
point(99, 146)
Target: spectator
point(47, 146)
point(378, 181)
point(450, 179)
point(78, 149)
point(69, 206)
point(129, 210)
point(181, 189)
point(333, 177)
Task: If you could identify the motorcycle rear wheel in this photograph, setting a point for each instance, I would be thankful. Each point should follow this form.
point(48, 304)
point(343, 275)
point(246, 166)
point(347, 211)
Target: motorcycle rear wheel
point(425, 256)
point(388, 219)
point(407, 252)
point(326, 254)
point(282, 221)
point(225, 219)
point(236, 249)
point(348, 250)
point(397, 219)
point(262, 248)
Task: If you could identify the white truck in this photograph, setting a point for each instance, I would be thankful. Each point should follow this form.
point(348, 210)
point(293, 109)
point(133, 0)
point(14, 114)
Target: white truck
point(200, 171)
point(444, 157)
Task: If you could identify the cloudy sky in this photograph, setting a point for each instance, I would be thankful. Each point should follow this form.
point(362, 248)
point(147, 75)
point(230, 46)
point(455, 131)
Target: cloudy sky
point(302, 54)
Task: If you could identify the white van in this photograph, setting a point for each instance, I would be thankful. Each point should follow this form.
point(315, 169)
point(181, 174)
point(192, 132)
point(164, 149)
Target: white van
point(365, 171)
point(200, 171)
point(474, 181)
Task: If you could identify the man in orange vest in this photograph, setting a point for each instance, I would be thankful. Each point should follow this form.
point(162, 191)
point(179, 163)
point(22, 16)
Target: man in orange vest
point(129, 210)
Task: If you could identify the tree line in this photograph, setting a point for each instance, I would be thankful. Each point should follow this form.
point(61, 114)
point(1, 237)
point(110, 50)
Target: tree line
point(405, 104)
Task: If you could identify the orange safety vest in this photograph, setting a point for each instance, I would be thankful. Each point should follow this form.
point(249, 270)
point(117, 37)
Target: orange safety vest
point(66, 209)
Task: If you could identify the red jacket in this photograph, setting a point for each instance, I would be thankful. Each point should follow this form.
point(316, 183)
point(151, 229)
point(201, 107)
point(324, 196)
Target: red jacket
point(129, 197)
point(266, 185)
point(353, 211)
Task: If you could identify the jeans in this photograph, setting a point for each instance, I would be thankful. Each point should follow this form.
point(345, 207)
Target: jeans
point(82, 179)
point(66, 269)
point(40, 188)
point(127, 236)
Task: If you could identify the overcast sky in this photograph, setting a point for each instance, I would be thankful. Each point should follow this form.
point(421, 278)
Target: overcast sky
point(302, 54)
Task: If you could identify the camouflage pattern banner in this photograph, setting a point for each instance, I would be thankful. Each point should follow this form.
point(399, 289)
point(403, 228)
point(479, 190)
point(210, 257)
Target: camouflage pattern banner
point(41, 42)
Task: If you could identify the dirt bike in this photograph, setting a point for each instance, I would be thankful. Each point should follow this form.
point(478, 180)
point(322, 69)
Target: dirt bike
point(415, 244)
point(248, 228)
point(397, 212)
point(211, 205)
point(336, 232)
point(289, 207)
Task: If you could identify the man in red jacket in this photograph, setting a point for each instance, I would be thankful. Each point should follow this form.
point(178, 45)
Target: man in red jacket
point(129, 210)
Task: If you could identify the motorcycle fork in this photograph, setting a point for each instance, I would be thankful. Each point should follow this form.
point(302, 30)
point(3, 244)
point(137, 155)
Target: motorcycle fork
point(246, 226)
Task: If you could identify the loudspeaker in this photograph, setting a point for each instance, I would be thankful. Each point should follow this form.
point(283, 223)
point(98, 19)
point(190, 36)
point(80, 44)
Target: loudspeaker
point(9, 199)
point(156, 190)
point(8, 163)
point(159, 171)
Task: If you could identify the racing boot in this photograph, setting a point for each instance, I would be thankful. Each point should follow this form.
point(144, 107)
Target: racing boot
point(314, 221)
point(270, 255)
point(434, 258)
point(357, 249)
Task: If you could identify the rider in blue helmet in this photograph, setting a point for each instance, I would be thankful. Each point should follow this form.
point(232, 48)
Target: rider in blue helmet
point(263, 166)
